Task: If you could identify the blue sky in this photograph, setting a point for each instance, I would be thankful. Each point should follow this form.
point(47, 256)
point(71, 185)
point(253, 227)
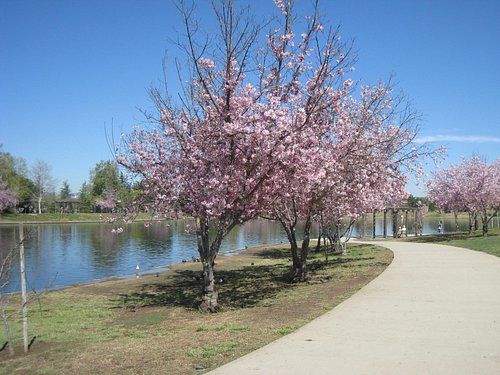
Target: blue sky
point(70, 69)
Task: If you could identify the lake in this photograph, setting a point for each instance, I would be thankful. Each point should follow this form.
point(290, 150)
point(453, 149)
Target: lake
point(59, 255)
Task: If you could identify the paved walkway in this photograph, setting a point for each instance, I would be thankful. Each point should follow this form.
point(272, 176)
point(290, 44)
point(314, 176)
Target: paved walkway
point(435, 310)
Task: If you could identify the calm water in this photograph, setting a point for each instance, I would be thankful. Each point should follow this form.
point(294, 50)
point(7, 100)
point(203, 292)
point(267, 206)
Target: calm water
point(59, 255)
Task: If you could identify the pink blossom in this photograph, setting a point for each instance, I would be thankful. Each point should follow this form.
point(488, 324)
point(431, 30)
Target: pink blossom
point(281, 6)
point(206, 63)
point(472, 186)
point(348, 82)
point(7, 196)
point(109, 202)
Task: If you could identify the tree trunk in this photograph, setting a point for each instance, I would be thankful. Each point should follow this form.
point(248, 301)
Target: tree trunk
point(318, 245)
point(303, 273)
point(343, 245)
point(209, 299)
point(374, 234)
point(294, 248)
point(208, 252)
point(337, 239)
point(299, 260)
point(485, 229)
point(484, 219)
point(325, 250)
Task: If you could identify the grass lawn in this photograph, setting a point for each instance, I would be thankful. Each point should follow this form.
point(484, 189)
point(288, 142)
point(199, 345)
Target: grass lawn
point(474, 241)
point(151, 325)
point(58, 218)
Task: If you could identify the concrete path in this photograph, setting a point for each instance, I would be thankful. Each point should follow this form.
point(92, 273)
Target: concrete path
point(435, 310)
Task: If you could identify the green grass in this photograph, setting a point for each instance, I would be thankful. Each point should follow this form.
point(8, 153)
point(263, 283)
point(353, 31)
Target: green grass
point(63, 317)
point(475, 241)
point(286, 329)
point(42, 218)
point(146, 319)
point(224, 327)
point(489, 244)
point(59, 218)
point(209, 351)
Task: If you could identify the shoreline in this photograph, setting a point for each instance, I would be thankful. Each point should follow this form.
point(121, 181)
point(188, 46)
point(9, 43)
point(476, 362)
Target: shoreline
point(150, 271)
point(183, 263)
point(73, 222)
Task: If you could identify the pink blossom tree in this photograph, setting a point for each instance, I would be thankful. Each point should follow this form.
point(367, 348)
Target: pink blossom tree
point(357, 163)
point(349, 154)
point(472, 186)
point(283, 137)
point(109, 202)
point(305, 84)
point(7, 196)
point(213, 156)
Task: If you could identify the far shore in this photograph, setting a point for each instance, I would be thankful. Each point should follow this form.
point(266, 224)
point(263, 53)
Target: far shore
point(71, 222)
point(78, 218)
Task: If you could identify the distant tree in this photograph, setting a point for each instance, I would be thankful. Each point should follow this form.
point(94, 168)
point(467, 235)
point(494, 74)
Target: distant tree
point(106, 184)
point(14, 173)
point(105, 176)
point(472, 186)
point(43, 180)
point(85, 196)
point(414, 202)
point(65, 192)
point(7, 197)
point(7, 167)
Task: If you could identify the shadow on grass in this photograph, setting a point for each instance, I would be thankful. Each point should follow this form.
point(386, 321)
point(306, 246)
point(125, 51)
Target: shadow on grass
point(275, 254)
point(237, 288)
point(336, 260)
